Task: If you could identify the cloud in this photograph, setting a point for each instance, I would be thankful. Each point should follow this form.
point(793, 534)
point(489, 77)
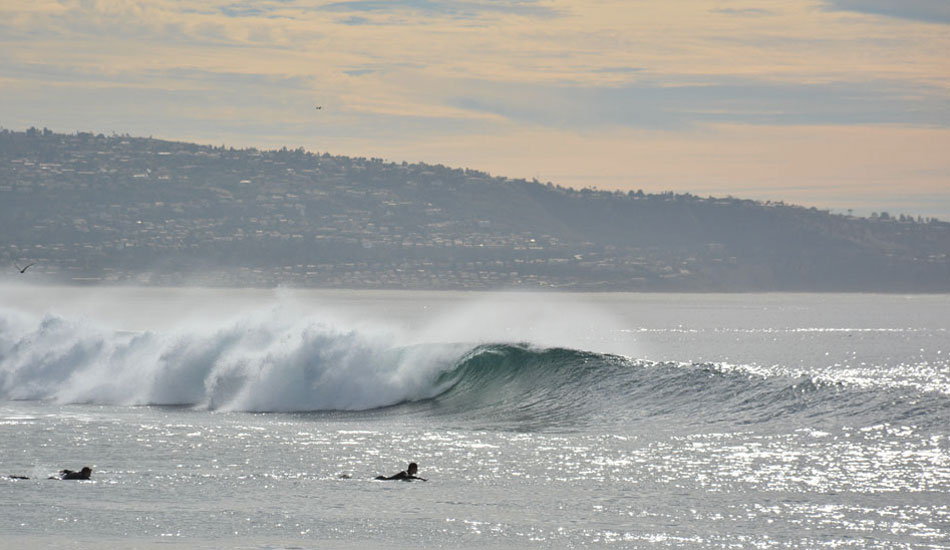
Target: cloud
point(445, 8)
point(743, 11)
point(355, 21)
point(617, 70)
point(930, 11)
point(721, 99)
point(243, 10)
point(359, 72)
point(182, 78)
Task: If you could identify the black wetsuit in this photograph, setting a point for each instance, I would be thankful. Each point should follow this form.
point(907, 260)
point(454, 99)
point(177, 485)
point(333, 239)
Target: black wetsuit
point(403, 475)
point(69, 474)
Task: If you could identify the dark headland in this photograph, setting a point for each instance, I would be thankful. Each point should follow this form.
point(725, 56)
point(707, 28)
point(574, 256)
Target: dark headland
point(117, 209)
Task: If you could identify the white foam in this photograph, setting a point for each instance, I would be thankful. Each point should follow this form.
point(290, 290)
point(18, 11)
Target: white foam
point(258, 362)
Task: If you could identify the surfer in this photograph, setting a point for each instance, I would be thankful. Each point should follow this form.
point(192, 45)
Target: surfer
point(18, 477)
point(69, 474)
point(408, 474)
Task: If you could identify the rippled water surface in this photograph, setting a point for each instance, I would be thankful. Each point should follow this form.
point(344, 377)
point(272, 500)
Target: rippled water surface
point(591, 421)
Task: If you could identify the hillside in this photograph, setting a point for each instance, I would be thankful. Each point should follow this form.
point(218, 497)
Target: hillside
point(114, 209)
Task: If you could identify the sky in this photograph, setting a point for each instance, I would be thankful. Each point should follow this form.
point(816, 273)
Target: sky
point(838, 104)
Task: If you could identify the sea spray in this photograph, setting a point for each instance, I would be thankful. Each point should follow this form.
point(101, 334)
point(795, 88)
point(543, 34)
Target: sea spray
point(257, 363)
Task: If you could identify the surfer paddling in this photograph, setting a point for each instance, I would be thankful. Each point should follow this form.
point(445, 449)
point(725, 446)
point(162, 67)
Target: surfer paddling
point(408, 474)
point(69, 474)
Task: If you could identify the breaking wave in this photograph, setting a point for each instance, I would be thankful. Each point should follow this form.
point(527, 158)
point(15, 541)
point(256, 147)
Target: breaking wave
point(274, 365)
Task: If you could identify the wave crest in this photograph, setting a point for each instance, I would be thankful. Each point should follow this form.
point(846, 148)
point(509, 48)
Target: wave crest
point(262, 365)
point(269, 363)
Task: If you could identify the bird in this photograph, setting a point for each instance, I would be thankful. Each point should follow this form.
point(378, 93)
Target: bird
point(318, 107)
point(23, 269)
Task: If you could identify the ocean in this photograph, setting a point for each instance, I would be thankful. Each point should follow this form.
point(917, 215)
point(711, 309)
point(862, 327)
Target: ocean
point(257, 419)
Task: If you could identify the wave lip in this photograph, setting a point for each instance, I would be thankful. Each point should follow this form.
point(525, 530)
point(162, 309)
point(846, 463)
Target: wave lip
point(521, 387)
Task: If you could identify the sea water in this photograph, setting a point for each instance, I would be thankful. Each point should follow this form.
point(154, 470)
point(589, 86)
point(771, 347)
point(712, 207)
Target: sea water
point(258, 419)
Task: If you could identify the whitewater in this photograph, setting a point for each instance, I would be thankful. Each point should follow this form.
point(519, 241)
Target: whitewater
point(217, 418)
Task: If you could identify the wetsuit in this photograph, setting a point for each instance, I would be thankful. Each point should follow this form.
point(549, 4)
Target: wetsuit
point(69, 474)
point(403, 475)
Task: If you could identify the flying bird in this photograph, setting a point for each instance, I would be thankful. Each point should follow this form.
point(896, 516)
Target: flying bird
point(24, 268)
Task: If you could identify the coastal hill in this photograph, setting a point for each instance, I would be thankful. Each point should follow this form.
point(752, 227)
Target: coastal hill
point(115, 209)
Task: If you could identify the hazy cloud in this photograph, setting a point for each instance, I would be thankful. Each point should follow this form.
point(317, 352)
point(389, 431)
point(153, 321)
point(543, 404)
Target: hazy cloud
point(712, 100)
point(183, 77)
point(617, 70)
point(931, 11)
point(445, 8)
point(743, 11)
point(355, 21)
point(243, 10)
